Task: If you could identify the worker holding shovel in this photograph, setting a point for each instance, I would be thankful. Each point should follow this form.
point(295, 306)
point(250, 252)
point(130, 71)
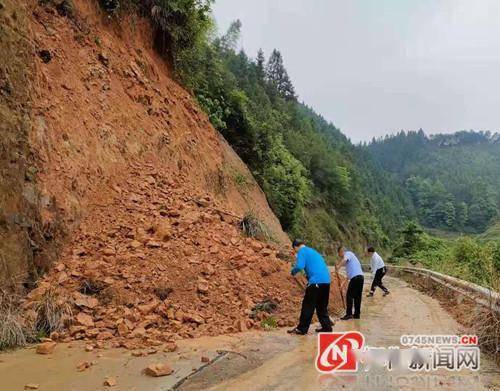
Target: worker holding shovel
point(356, 280)
point(317, 292)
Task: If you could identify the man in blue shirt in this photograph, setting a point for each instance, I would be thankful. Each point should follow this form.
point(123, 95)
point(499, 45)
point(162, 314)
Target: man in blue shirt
point(317, 292)
point(356, 281)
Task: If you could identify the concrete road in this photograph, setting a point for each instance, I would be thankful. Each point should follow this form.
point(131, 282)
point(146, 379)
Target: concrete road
point(384, 320)
point(258, 360)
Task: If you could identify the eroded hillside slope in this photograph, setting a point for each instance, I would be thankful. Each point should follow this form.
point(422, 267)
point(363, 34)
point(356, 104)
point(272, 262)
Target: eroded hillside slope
point(149, 196)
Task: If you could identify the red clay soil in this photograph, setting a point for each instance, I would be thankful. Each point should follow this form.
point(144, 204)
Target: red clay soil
point(142, 182)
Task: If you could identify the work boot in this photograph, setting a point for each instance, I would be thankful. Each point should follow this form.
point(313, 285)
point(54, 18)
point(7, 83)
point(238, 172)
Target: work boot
point(369, 294)
point(346, 317)
point(296, 331)
point(322, 330)
point(386, 293)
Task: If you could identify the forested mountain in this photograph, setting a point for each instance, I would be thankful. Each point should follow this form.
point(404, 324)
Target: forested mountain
point(453, 180)
point(318, 183)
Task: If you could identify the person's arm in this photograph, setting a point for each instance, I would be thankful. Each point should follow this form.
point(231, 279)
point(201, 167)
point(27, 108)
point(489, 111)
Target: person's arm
point(372, 264)
point(300, 264)
point(341, 263)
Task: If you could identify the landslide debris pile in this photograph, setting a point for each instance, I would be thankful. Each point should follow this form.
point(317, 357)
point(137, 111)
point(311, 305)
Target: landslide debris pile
point(156, 263)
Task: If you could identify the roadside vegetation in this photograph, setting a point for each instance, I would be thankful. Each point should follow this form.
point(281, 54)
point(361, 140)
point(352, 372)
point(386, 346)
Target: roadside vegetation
point(465, 257)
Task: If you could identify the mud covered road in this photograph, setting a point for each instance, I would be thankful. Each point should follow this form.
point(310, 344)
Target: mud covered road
point(258, 360)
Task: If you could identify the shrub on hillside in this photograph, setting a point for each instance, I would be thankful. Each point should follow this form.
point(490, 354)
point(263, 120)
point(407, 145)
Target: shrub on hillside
point(181, 27)
point(13, 329)
point(254, 228)
point(53, 312)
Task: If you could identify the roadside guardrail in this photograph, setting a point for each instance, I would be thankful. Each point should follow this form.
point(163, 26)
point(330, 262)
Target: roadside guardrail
point(481, 295)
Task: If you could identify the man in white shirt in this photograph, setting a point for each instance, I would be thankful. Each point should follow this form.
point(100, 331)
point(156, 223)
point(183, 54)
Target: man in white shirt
point(356, 278)
point(378, 270)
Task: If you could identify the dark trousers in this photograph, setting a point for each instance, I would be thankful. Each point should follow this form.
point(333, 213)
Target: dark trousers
point(315, 298)
point(377, 279)
point(354, 295)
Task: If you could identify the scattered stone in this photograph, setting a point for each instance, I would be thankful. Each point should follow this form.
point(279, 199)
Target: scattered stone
point(195, 318)
point(139, 332)
point(170, 347)
point(109, 252)
point(205, 359)
point(86, 301)
point(163, 231)
point(208, 269)
point(153, 244)
point(104, 59)
point(122, 329)
point(146, 309)
point(84, 319)
point(110, 382)
point(241, 325)
point(46, 348)
point(135, 244)
point(159, 369)
point(104, 335)
point(162, 292)
point(256, 246)
point(203, 286)
point(89, 348)
point(31, 386)
point(82, 366)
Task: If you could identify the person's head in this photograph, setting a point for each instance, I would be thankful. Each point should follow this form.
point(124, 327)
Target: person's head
point(341, 251)
point(370, 250)
point(297, 245)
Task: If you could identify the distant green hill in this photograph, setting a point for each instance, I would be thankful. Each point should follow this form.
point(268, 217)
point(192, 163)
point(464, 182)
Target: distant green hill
point(453, 180)
point(492, 233)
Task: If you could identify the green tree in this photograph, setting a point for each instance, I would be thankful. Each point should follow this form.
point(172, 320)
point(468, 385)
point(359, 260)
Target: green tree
point(230, 40)
point(449, 213)
point(261, 60)
point(278, 76)
point(410, 240)
point(462, 214)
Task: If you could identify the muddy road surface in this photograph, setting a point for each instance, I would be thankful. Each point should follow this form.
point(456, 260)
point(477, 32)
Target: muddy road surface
point(258, 360)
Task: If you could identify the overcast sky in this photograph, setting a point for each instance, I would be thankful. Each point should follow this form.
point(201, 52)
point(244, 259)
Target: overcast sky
point(374, 67)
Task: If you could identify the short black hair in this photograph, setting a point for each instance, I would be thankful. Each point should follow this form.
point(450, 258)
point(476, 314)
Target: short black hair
point(297, 243)
point(371, 249)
